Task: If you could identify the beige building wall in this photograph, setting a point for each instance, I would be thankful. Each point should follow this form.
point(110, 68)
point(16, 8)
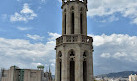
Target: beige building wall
point(5, 76)
point(8, 75)
point(14, 74)
point(32, 75)
point(133, 77)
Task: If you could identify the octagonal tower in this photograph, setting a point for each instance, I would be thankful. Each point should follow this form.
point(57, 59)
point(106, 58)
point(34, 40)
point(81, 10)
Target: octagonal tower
point(74, 49)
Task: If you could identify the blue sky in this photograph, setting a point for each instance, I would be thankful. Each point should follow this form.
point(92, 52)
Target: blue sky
point(28, 29)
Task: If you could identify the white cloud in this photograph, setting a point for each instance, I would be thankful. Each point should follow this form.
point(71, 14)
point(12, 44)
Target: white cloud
point(54, 36)
point(53, 65)
point(119, 55)
point(105, 19)
point(113, 18)
point(111, 52)
point(36, 64)
point(25, 54)
point(23, 28)
point(25, 14)
point(127, 8)
point(35, 37)
point(105, 55)
point(114, 53)
point(103, 8)
point(117, 46)
point(52, 61)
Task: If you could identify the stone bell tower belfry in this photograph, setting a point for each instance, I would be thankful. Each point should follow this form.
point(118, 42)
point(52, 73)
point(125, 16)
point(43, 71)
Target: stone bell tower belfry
point(74, 49)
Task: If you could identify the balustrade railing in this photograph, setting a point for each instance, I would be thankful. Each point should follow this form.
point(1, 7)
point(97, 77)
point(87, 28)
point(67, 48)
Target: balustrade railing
point(74, 39)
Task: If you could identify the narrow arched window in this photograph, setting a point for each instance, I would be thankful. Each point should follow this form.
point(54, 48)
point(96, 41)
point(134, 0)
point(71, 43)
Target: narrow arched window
point(72, 20)
point(84, 66)
point(81, 20)
point(65, 24)
point(81, 23)
point(72, 65)
point(60, 65)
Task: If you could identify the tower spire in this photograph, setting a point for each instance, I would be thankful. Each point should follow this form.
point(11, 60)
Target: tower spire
point(49, 69)
point(46, 70)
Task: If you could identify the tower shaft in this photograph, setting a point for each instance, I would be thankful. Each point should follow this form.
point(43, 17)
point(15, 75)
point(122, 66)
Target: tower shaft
point(74, 49)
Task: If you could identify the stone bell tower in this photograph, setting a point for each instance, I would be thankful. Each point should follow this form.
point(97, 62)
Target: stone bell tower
point(74, 49)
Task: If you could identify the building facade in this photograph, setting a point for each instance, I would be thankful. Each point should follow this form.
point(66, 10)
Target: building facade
point(17, 74)
point(74, 49)
point(133, 77)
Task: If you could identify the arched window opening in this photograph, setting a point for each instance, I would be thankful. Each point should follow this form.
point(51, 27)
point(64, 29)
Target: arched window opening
point(72, 71)
point(72, 23)
point(81, 23)
point(65, 24)
point(84, 71)
point(60, 65)
point(84, 66)
point(81, 20)
point(65, 21)
point(72, 66)
point(72, 20)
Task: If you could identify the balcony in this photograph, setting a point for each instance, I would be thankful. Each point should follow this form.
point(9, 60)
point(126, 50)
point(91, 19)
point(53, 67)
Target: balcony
point(74, 39)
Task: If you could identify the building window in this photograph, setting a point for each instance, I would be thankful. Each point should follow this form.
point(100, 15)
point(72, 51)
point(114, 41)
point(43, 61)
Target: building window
point(60, 65)
point(72, 71)
point(65, 24)
point(81, 20)
point(84, 66)
point(72, 66)
point(72, 23)
point(84, 71)
point(72, 20)
point(81, 23)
